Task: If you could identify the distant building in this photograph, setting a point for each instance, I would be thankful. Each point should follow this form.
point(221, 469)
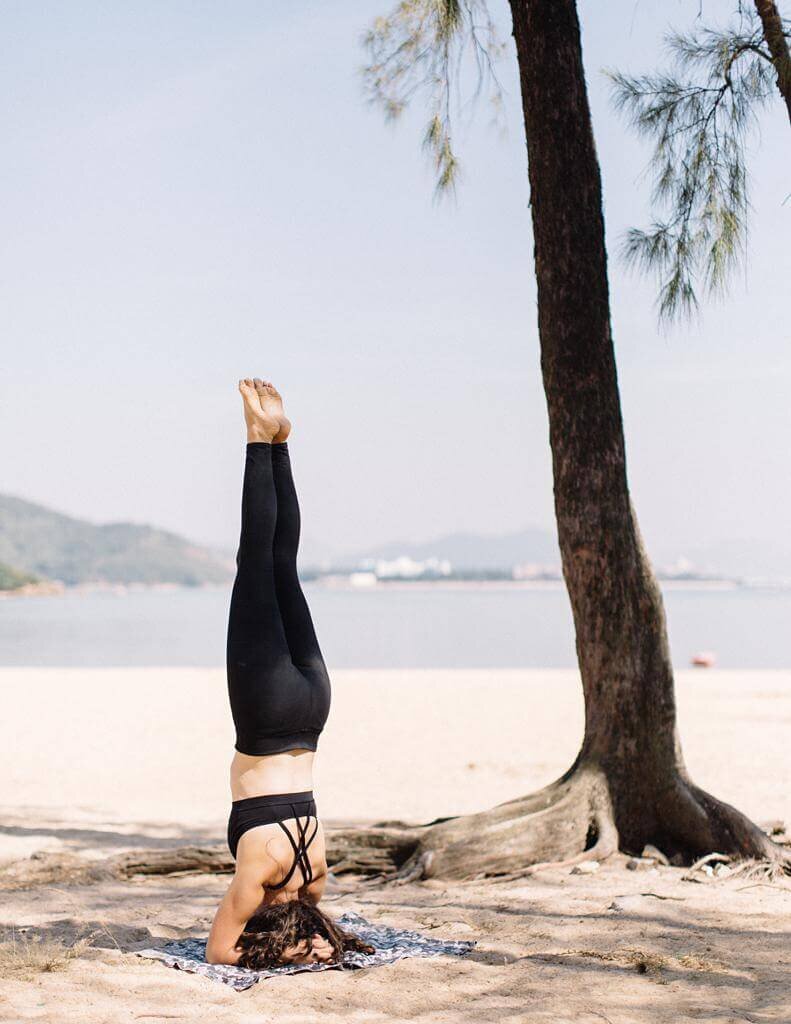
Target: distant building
point(362, 579)
point(406, 568)
point(533, 571)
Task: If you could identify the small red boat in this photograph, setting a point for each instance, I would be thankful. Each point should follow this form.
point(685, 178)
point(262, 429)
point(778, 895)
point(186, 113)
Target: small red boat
point(704, 659)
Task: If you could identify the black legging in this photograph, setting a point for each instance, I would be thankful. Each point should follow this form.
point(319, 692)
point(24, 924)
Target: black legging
point(277, 681)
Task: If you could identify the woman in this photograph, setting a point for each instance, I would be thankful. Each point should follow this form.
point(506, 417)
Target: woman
point(280, 698)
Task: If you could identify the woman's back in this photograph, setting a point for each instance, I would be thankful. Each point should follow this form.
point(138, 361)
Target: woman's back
point(279, 854)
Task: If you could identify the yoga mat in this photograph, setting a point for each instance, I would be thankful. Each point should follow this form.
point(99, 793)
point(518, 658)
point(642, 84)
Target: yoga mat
point(390, 944)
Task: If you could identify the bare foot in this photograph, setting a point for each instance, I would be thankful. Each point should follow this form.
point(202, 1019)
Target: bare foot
point(261, 426)
point(272, 403)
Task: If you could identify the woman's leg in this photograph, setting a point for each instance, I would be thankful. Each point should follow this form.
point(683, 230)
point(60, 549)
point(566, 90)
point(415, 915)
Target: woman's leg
point(257, 651)
point(279, 689)
point(258, 658)
point(254, 614)
point(294, 611)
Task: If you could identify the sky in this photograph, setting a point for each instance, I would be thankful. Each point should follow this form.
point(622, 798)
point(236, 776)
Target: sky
point(197, 191)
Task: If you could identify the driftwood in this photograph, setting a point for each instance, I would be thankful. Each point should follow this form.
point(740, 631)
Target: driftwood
point(45, 869)
point(379, 850)
point(390, 850)
point(181, 860)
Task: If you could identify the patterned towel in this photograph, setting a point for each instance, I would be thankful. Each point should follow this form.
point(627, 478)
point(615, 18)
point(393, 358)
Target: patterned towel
point(390, 944)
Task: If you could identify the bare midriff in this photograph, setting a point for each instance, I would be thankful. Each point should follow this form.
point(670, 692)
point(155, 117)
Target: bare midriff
point(290, 772)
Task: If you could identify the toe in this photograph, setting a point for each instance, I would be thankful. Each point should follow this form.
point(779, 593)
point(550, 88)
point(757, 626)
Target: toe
point(247, 390)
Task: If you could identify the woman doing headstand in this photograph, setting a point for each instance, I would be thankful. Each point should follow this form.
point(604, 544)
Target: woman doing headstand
point(280, 698)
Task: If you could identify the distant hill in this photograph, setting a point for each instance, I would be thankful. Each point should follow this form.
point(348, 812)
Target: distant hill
point(767, 558)
point(37, 541)
point(473, 550)
point(12, 579)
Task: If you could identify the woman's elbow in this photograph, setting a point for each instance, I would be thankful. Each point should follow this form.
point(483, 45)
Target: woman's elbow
point(214, 955)
point(313, 892)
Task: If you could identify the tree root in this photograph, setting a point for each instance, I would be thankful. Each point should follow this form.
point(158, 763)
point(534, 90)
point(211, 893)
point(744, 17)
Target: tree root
point(379, 850)
point(566, 822)
point(702, 862)
point(571, 820)
point(762, 870)
point(700, 824)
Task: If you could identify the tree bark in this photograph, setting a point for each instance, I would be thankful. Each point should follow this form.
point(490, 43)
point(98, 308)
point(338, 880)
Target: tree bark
point(778, 47)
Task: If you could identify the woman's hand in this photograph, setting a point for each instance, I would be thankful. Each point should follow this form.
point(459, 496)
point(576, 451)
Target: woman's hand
point(321, 952)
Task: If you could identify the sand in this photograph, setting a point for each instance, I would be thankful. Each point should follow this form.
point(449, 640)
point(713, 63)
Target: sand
point(93, 761)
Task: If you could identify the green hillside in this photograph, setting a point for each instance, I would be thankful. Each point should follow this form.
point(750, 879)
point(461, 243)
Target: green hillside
point(12, 579)
point(35, 540)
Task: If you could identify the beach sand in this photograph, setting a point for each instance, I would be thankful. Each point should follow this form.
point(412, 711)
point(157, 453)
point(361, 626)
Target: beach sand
point(94, 761)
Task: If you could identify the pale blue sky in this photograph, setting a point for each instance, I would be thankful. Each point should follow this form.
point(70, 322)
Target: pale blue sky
point(195, 191)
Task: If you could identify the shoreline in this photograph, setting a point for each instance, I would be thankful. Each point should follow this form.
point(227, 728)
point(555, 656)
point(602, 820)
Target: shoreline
point(55, 588)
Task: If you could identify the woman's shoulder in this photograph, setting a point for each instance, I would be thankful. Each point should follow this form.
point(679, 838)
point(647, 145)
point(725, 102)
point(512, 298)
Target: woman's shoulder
point(267, 852)
point(262, 846)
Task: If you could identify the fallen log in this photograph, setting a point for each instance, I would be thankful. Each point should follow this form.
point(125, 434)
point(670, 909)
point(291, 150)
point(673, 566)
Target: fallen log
point(378, 850)
point(181, 860)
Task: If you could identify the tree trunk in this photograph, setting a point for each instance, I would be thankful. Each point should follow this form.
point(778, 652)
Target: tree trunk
point(628, 786)
point(778, 47)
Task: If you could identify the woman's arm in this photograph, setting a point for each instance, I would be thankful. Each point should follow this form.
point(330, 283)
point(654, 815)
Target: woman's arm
point(315, 890)
point(240, 902)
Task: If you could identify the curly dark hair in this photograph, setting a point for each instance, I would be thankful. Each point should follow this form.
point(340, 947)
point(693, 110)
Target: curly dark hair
point(273, 929)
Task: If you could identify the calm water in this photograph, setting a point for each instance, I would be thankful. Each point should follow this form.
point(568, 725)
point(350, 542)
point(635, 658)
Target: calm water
point(403, 628)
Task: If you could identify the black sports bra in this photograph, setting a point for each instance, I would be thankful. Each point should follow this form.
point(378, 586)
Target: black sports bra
point(300, 847)
point(277, 808)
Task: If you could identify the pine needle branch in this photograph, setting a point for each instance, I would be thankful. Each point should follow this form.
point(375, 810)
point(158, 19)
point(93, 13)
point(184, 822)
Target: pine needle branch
point(698, 115)
point(425, 47)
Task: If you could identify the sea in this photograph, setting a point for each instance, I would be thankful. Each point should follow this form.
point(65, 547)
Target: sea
point(387, 626)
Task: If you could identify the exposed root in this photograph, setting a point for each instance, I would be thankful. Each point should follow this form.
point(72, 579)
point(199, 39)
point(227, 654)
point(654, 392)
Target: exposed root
point(367, 851)
point(761, 869)
point(702, 825)
point(765, 871)
point(607, 836)
point(571, 821)
point(710, 858)
point(574, 819)
point(552, 826)
point(421, 867)
point(376, 851)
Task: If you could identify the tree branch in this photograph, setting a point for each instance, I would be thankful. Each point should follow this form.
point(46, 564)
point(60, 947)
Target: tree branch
point(775, 36)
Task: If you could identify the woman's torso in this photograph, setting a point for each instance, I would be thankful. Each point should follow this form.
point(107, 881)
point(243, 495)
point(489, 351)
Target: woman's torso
point(265, 847)
point(291, 772)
